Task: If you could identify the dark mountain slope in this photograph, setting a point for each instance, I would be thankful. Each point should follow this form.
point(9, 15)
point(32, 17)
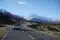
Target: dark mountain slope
point(8, 18)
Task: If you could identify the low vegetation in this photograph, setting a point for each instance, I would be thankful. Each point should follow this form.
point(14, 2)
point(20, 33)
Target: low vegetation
point(48, 29)
point(3, 30)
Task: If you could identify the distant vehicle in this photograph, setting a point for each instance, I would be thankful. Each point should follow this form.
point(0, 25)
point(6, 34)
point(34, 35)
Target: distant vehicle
point(19, 28)
point(16, 27)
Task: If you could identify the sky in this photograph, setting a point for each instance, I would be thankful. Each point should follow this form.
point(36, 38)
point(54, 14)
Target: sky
point(26, 8)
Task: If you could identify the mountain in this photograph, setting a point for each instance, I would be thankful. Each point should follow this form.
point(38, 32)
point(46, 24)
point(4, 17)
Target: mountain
point(43, 20)
point(17, 18)
point(39, 19)
point(8, 18)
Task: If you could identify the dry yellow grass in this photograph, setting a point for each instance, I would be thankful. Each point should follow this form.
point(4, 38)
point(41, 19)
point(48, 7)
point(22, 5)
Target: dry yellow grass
point(49, 29)
point(3, 30)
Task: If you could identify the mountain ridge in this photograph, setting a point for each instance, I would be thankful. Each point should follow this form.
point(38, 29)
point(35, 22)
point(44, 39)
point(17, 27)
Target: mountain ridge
point(44, 20)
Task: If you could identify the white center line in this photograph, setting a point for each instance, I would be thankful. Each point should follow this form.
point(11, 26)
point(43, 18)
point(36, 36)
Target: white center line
point(31, 37)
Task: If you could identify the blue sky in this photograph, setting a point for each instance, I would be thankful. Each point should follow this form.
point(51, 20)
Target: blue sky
point(45, 8)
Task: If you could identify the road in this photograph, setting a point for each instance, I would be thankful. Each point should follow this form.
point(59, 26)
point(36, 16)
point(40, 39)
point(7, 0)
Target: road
point(26, 35)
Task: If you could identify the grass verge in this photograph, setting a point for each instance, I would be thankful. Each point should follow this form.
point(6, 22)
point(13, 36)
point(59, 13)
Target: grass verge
point(3, 31)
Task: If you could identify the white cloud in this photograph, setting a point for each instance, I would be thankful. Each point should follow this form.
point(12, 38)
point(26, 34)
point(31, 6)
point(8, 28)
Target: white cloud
point(22, 2)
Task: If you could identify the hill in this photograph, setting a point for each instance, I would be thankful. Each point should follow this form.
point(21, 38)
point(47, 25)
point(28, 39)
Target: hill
point(8, 18)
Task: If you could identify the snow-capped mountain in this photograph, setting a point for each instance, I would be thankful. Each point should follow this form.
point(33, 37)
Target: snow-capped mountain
point(43, 20)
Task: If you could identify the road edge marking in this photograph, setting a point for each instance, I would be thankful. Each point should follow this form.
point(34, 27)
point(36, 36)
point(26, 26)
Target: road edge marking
point(5, 35)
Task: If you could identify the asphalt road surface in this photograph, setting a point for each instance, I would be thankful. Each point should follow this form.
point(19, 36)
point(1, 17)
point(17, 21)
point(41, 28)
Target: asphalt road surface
point(26, 35)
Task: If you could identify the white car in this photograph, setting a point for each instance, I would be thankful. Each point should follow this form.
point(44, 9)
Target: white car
point(19, 27)
point(15, 27)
